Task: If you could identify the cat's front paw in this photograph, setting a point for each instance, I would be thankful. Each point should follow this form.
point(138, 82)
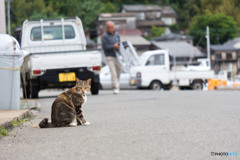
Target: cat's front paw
point(73, 124)
point(86, 124)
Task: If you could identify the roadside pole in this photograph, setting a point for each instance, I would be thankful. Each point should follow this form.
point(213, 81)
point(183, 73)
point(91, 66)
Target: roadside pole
point(2, 17)
point(9, 19)
point(208, 46)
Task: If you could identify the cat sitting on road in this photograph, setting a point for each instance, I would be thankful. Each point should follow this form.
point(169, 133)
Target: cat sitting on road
point(67, 107)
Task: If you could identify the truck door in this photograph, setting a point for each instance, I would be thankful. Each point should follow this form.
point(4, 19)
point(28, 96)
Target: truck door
point(157, 68)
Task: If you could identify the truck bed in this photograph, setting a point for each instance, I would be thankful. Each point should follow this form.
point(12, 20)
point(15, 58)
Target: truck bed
point(190, 75)
point(66, 59)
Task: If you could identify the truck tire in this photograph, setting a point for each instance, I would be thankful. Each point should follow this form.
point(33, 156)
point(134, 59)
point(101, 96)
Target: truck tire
point(156, 85)
point(197, 85)
point(95, 88)
point(34, 89)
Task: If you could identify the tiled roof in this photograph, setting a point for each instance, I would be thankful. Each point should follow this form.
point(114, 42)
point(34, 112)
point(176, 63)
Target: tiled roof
point(140, 7)
point(117, 14)
point(166, 10)
point(179, 48)
point(141, 23)
point(135, 40)
point(222, 47)
point(229, 45)
point(172, 36)
point(122, 32)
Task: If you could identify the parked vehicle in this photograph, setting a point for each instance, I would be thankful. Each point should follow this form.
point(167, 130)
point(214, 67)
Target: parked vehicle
point(57, 56)
point(155, 72)
point(106, 82)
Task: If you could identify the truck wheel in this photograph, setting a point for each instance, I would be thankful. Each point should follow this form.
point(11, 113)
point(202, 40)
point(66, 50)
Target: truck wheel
point(95, 88)
point(155, 85)
point(34, 89)
point(34, 92)
point(197, 85)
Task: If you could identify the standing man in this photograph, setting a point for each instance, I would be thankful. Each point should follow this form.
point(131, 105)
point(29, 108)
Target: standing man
point(110, 45)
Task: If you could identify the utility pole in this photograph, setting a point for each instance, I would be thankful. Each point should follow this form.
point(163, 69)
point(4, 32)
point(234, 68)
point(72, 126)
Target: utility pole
point(208, 46)
point(9, 19)
point(2, 17)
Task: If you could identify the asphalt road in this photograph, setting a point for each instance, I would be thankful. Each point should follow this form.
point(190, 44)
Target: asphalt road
point(136, 125)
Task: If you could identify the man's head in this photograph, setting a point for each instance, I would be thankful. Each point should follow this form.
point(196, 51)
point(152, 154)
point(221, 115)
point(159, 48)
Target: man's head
point(110, 27)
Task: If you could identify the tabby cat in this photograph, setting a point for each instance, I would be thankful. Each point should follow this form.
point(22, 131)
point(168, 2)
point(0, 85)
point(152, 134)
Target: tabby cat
point(68, 106)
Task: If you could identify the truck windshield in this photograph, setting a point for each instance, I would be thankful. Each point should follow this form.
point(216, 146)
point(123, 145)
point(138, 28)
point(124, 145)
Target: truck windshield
point(52, 33)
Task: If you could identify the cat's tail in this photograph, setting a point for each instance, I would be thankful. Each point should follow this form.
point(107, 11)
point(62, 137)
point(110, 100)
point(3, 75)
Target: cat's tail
point(44, 124)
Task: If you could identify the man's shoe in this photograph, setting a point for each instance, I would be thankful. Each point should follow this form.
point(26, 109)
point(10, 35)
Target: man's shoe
point(115, 91)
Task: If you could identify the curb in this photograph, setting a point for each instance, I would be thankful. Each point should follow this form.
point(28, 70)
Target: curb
point(31, 111)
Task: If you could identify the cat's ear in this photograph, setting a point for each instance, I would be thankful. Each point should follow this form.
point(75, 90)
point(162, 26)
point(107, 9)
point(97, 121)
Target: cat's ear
point(89, 81)
point(78, 81)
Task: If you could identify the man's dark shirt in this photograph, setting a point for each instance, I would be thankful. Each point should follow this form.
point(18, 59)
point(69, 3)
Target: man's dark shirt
point(108, 40)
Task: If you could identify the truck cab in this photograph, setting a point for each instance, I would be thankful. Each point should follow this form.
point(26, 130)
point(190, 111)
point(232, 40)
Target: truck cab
point(153, 70)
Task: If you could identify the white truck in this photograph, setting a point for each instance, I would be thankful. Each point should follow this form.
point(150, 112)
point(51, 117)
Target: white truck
point(57, 55)
point(154, 71)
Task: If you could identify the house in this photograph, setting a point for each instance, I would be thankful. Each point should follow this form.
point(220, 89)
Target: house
point(183, 52)
point(226, 57)
point(151, 15)
point(121, 21)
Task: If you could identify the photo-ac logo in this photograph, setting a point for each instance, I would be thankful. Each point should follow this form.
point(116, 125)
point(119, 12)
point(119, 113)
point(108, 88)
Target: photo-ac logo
point(224, 154)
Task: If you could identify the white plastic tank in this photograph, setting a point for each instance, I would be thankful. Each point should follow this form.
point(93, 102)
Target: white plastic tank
point(11, 59)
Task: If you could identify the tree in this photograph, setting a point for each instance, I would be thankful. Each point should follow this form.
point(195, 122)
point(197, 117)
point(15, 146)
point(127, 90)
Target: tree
point(25, 9)
point(222, 28)
point(229, 7)
point(157, 31)
point(108, 8)
point(88, 11)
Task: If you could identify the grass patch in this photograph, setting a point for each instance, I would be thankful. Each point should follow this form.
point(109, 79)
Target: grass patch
point(15, 123)
point(3, 132)
point(19, 122)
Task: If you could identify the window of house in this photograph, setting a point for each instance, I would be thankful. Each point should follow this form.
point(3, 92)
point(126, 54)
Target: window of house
point(238, 54)
point(149, 15)
point(156, 60)
point(52, 33)
point(219, 56)
point(141, 15)
point(158, 15)
point(229, 55)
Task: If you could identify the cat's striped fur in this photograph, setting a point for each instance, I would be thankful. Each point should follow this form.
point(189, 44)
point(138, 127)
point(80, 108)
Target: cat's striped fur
point(68, 106)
